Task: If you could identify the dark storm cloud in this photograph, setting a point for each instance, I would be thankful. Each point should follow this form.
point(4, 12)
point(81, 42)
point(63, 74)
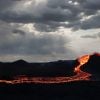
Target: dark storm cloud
point(54, 11)
point(50, 15)
point(91, 23)
point(19, 17)
point(35, 45)
point(92, 4)
point(61, 11)
point(32, 44)
point(89, 36)
point(4, 4)
point(17, 31)
point(94, 36)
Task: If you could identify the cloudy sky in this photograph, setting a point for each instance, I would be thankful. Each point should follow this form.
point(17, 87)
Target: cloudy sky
point(47, 30)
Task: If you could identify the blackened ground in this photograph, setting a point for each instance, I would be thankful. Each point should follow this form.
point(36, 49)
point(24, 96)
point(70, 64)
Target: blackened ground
point(81, 90)
point(46, 69)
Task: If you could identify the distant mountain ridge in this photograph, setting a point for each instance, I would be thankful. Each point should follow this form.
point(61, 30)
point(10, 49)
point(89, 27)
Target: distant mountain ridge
point(20, 61)
point(49, 69)
point(45, 69)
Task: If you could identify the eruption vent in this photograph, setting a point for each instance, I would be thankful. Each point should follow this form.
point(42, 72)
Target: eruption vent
point(83, 60)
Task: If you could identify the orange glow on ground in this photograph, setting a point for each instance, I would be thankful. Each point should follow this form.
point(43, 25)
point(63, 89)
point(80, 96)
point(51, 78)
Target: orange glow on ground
point(80, 75)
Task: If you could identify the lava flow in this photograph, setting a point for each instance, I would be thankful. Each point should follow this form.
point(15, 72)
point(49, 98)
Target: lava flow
point(80, 75)
point(83, 60)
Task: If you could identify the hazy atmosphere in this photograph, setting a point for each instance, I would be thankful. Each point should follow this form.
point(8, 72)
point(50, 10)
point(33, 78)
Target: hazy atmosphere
point(47, 30)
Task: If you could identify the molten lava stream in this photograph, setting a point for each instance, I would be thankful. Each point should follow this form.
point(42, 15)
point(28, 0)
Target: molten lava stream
point(80, 75)
point(83, 60)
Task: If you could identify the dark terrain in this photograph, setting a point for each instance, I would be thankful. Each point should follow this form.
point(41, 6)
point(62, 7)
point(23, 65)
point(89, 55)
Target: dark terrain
point(48, 69)
point(80, 90)
point(69, 91)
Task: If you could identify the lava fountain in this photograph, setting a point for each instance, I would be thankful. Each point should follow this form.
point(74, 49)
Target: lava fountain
point(83, 60)
point(80, 75)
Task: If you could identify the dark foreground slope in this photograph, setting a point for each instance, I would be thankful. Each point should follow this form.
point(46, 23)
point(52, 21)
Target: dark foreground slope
point(83, 90)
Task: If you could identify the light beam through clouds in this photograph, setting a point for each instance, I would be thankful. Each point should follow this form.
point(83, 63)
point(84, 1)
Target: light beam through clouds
point(47, 30)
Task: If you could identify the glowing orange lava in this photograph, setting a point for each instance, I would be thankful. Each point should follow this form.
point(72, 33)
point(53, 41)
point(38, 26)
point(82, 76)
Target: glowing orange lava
point(80, 75)
point(83, 60)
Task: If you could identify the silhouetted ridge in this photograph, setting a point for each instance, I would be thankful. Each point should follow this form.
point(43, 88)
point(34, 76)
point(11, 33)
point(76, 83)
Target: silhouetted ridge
point(45, 69)
point(21, 61)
